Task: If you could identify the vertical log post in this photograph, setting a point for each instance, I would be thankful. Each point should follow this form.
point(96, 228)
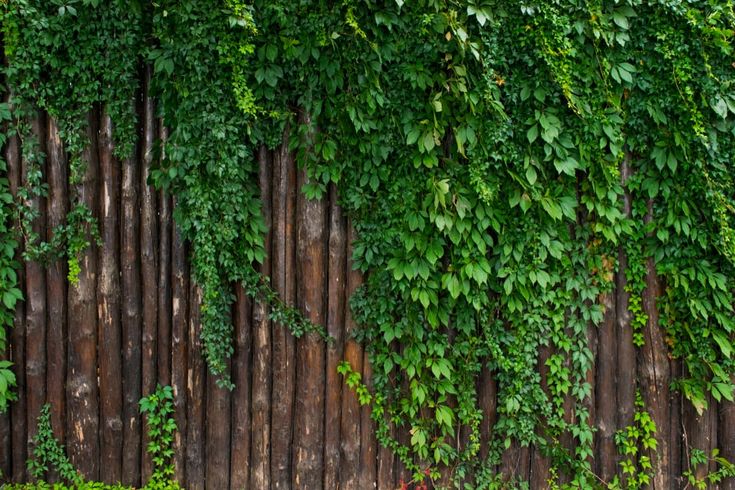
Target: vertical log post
point(653, 372)
point(179, 334)
point(195, 393)
point(17, 335)
point(282, 401)
point(35, 295)
point(108, 285)
point(350, 429)
point(335, 327)
point(261, 376)
point(241, 375)
point(132, 324)
point(626, 366)
point(81, 387)
point(606, 402)
point(153, 356)
point(308, 455)
point(57, 207)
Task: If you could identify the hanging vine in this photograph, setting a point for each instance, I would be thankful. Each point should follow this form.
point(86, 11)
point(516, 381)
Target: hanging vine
point(477, 147)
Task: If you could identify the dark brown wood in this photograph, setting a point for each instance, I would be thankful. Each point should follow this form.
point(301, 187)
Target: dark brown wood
point(218, 417)
point(17, 335)
point(308, 443)
point(675, 427)
point(368, 441)
point(155, 366)
point(239, 455)
point(196, 398)
point(700, 432)
point(243, 367)
point(626, 366)
point(336, 277)
point(35, 296)
point(165, 277)
point(131, 320)
point(108, 286)
point(540, 464)
point(350, 415)
point(284, 250)
point(605, 393)
point(82, 391)
point(179, 351)
point(654, 376)
point(56, 272)
point(726, 437)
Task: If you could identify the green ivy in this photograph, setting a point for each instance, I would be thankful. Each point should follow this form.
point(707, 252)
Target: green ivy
point(476, 146)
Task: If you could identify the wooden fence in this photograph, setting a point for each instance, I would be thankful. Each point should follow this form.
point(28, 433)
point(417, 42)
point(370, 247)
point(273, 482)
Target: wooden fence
point(132, 321)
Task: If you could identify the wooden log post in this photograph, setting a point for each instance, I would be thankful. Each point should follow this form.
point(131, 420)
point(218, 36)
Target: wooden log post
point(155, 362)
point(251, 369)
point(350, 430)
point(35, 296)
point(337, 279)
point(217, 420)
point(605, 394)
point(82, 391)
point(131, 320)
point(196, 400)
point(108, 285)
point(17, 335)
point(283, 276)
point(241, 375)
point(368, 441)
point(57, 208)
point(726, 437)
point(179, 338)
point(626, 365)
point(540, 471)
point(308, 452)
point(654, 375)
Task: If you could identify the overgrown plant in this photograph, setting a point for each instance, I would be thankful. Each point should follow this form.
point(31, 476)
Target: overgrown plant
point(158, 408)
point(48, 453)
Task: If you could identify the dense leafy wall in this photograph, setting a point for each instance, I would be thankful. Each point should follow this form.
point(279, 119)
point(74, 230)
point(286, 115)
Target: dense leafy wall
point(506, 167)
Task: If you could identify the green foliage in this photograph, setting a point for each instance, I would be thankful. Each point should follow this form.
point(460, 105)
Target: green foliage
point(477, 147)
point(47, 452)
point(8, 271)
point(711, 479)
point(158, 408)
point(637, 444)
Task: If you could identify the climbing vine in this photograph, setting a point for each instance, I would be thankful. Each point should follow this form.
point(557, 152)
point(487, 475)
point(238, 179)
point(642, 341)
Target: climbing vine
point(494, 159)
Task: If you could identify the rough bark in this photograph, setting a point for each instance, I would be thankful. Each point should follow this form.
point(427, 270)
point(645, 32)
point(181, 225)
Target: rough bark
point(81, 387)
point(241, 372)
point(368, 441)
point(217, 471)
point(35, 300)
point(335, 327)
point(261, 377)
point(56, 282)
point(654, 375)
point(152, 355)
point(179, 338)
point(282, 401)
point(626, 366)
point(726, 437)
point(132, 325)
point(195, 395)
point(17, 335)
point(350, 414)
point(605, 394)
point(108, 286)
point(308, 443)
